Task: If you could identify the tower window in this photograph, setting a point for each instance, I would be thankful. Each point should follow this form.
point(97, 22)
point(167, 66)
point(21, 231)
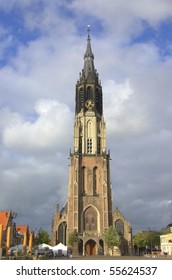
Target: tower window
point(98, 145)
point(81, 97)
point(80, 144)
point(89, 93)
point(89, 145)
point(97, 96)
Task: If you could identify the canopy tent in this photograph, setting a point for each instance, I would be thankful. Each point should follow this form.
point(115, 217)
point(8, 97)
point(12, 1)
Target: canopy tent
point(43, 246)
point(17, 248)
point(60, 248)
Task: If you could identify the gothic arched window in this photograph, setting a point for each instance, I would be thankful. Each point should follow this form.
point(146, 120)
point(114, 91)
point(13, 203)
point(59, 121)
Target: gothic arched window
point(89, 93)
point(80, 139)
point(90, 219)
point(81, 93)
point(119, 225)
point(89, 135)
point(62, 232)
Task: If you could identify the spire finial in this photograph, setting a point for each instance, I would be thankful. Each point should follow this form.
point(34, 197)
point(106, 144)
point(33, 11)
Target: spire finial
point(88, 30)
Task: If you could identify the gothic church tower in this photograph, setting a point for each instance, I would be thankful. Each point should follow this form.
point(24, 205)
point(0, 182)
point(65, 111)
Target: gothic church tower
point(88, 210)
point(89, 193)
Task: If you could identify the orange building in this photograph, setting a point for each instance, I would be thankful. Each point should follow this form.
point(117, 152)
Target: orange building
point(6, 220)
point(10, 234)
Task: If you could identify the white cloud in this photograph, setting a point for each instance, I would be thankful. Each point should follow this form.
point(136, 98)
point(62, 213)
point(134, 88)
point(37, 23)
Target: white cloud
point(37, 104)
point(48, 132)
point(120, 103)
point(124, 18)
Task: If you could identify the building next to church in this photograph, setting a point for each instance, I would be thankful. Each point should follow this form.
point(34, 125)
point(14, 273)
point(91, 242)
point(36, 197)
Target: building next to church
point(11, 234)
point(88, 210)
point(166, 243)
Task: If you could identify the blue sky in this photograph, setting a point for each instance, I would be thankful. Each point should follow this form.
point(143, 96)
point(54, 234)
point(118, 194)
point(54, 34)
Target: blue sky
point(160, 36)
point(42, 44)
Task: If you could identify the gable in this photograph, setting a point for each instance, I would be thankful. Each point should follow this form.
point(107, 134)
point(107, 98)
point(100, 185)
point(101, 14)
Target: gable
point(4, 218)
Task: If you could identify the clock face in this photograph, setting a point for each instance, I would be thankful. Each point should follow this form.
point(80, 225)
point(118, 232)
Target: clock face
point(89, 104)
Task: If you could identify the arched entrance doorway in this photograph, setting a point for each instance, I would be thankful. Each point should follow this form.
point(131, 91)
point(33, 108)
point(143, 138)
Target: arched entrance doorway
point(90, 247)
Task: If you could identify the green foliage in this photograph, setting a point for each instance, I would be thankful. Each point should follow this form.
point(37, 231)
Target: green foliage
point(152, 238)
point(42, 237)
point(165, 230)
point(139, 239)
point(149, 239)
point(73, 237)
point(112, 237)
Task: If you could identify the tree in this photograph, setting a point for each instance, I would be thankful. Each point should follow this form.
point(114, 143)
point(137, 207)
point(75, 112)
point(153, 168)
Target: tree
point(112, 238)
point(139, 240)
point(152, 239)
point(147, 239)
point(166, 230)
point(42, 237)
point(73, 237)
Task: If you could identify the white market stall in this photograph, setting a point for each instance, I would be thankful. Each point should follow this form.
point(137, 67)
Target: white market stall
point(60, 250)
point(43, 246)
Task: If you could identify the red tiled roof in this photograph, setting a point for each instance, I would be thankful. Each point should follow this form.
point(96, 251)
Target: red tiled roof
point(4, 217)
point(22, 229)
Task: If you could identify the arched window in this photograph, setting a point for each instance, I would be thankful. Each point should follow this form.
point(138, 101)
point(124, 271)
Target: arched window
point(89, 129)
point(90, 219)
point(89, 93)
point(97, 96)
point(119, 225)
point(80, 139)
point(81, 93)
point(89, 135)
point(62, 232)
point(98, 145)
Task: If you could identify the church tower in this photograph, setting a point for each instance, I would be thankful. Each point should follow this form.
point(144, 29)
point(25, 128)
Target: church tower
point(89, 192)
point(88, 211)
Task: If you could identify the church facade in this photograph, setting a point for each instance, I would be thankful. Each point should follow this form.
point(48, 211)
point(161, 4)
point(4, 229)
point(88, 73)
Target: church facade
point(88, 211)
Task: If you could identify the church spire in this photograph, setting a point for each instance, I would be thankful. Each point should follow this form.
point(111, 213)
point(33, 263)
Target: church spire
point(88, 57)
point(88, 87)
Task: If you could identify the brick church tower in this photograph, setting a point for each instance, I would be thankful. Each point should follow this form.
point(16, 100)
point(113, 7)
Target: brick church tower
point(88, 211)
point(89, 193)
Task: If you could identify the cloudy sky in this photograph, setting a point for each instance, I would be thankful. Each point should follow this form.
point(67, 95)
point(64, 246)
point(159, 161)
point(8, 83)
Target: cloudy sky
point(42, 44)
